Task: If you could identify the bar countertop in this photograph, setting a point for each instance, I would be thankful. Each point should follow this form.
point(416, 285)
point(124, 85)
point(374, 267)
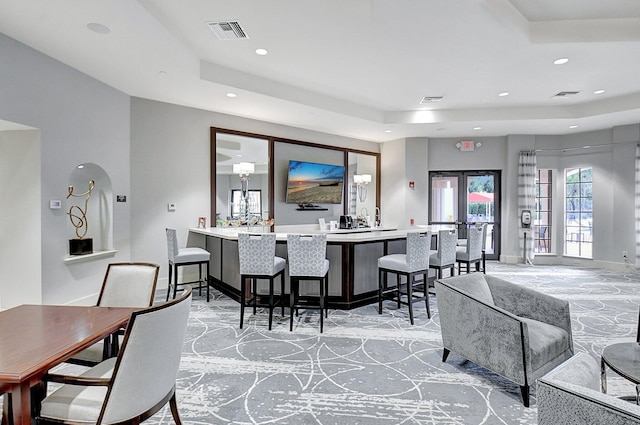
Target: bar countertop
point(338, 236)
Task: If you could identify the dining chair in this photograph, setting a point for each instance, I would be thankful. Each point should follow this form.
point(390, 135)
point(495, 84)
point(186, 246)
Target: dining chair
point(258, 260)
point(133, 386)
point(307, 262)
point(131, 284)
point(410, 265)
point(179, 257)
point(445, 256)
point(472, 252)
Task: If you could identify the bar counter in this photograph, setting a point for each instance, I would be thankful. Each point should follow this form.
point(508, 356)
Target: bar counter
point(353, 255)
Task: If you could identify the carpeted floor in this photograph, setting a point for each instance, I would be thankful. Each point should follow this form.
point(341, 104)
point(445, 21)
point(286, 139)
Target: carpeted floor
point(371, 369)
point(368, 368)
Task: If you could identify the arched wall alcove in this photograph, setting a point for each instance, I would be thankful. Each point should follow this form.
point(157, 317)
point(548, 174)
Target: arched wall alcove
point(99, 208)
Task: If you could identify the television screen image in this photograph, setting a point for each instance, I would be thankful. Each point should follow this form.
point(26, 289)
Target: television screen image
point(309, 182)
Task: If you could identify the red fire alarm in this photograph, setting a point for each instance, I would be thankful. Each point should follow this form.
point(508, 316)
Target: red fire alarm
point(412, 185)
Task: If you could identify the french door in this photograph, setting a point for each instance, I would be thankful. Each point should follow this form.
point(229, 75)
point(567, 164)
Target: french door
point(463, 199)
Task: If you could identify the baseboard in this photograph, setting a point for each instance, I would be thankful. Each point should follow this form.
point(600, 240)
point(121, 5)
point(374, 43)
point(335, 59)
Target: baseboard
point(550, 260)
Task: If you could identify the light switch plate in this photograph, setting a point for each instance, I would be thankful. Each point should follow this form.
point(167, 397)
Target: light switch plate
point(171, 206)
point(55, 204)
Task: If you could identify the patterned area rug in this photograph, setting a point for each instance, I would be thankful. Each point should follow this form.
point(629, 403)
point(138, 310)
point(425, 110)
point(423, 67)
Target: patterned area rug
point(375, 369)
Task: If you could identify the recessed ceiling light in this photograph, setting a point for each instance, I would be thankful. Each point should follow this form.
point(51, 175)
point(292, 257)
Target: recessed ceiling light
point(599, 91)
point(573, 126)
point(503, 94)
point(387, 131)
point(231, 95)
point(80, 166)
point(261, 52)
point(98, 28)
point(560, 61)
point(477, 128)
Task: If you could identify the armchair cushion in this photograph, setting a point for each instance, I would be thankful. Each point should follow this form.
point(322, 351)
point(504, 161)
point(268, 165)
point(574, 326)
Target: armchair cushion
point(545, 342)
point(79, 403)
point(569, 394)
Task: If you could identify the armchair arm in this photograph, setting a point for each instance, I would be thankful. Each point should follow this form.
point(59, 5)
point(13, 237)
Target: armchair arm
point(485, 334)
point(532, 304)
point(87, 381)
point(568, 394)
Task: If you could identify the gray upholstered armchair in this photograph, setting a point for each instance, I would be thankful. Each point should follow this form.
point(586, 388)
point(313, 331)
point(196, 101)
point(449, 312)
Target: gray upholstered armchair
point(512, 330)
point(570, 394)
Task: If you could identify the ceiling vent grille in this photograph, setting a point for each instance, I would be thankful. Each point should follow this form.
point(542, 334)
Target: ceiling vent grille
point(566, 94)
point(431, 99)
point(228, 30)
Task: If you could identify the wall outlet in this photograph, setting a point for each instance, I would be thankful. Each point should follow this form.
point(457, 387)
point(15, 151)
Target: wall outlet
point(171, 206)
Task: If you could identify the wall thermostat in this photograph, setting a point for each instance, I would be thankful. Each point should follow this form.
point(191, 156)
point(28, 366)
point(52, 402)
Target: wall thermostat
point(55, 204)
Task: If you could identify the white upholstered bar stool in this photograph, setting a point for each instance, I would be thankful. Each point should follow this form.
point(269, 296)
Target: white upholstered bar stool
point(179, 257)
point(257, 253)
point(445, 256)
point(414, 263)
point(472, 252)
point(307, 262)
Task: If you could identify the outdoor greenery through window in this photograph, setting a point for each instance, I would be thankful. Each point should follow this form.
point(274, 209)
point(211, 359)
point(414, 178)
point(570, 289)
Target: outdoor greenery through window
point(542, 218)
point(579, 212)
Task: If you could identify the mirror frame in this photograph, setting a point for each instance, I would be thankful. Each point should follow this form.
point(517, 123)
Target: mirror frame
point(271, 140)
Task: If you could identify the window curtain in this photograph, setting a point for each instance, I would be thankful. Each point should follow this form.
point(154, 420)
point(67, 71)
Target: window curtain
point(637, 206)
point(527, 201)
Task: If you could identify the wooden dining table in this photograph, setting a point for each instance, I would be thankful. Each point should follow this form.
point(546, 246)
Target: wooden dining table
point(35, 338)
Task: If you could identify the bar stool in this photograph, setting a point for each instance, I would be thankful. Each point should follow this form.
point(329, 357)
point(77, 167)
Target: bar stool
point(445, 256)
point(307, 262)
point(179, 257)
point(472, 252)
point(257, 252)
point(414, 263)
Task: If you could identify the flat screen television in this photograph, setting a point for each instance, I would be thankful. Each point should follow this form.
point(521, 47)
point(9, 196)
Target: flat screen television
point(313, 183)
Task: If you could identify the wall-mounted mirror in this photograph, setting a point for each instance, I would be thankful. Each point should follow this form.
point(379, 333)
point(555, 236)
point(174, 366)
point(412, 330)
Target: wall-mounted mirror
point(363, 185)
point(242, 177)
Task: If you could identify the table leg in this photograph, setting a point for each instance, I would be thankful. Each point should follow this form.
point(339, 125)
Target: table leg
point(603, 376)
point(637, 393)
point(21, 404)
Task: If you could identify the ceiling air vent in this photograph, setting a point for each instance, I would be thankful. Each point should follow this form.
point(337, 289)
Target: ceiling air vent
point(431, 99)
point(566, 94)
point(229, 30)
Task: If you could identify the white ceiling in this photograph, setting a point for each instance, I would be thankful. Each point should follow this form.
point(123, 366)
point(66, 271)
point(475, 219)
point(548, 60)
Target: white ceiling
point(359, 68)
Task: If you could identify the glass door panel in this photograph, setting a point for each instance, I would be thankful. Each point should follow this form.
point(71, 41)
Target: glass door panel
point(444, 200)
point(478, 202)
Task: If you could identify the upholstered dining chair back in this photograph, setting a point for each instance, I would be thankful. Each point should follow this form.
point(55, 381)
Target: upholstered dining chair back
point(129, 285)
point(418, 245)
point(475, 242)
point(307, 254)
point(447, 242)
point(257, 251)
point(172, 244)
point(146, 370)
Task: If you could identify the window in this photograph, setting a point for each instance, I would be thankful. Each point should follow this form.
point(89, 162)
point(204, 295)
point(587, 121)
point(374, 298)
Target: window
point(542, 217)
point(578, 241)
point(254, 201)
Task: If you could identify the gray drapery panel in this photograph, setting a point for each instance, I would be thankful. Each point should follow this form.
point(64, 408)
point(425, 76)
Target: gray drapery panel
point(637, 206)
point(527, 200)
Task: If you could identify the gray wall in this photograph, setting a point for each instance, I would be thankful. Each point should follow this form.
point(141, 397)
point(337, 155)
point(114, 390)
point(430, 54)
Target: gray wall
point(80, 120)
point(612, 156)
